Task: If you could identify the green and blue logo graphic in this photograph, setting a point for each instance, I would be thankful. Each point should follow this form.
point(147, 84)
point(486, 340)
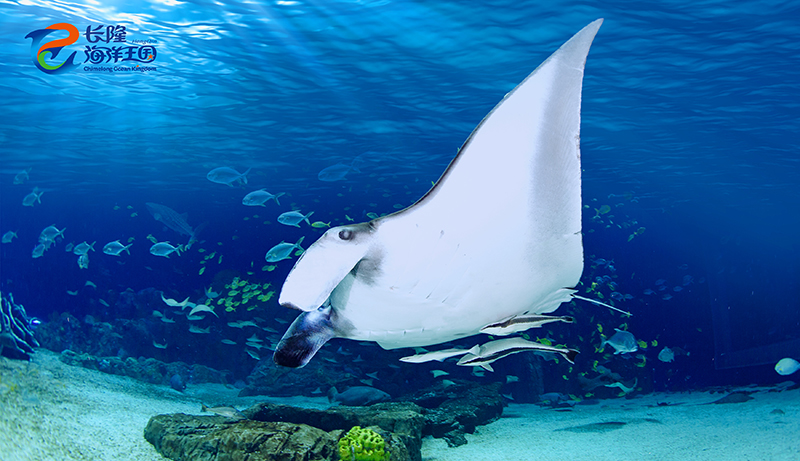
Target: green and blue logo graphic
point(50, 50)
point(121, 56)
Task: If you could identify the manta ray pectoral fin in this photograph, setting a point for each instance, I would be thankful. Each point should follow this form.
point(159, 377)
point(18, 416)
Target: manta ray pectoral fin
point(307, 334)
point(323, 265)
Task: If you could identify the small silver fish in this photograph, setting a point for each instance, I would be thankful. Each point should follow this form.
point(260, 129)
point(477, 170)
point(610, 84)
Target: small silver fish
point(9, 236)
point(83, 261)
point(336, 172)
point(242, 324)
point(666, 355)
point(22, 176)
point(226, 175)
point(282, 251)
point(294, 218)
point(165, 249)
point(33, 197)
point(228, 412)
point(260, 197)
point(83, 248)
point(198, 330)
point(50, 233)
point(210, 294)
point(623, 342)
point(115, 248)
point(38, 250)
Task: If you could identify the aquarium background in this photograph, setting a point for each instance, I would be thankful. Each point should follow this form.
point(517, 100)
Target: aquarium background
point(689, 147)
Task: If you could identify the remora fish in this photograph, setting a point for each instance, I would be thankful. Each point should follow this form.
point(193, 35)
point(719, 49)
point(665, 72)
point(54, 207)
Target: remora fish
point(436, 355)
point(522, 323)
point(485, 354)
point(432, 273)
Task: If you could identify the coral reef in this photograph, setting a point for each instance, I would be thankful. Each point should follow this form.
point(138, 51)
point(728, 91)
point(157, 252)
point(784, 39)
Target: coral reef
point(283, 432)
point(16, 335)
point(362, 445)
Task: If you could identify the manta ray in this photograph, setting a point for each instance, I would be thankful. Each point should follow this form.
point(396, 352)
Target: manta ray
point(498, 236)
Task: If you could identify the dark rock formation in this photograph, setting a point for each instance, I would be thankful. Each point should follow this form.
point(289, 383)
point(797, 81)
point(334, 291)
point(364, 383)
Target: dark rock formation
point(404, 420)
point(465, 407)
point(215, 438)
point(270, 379)
point(147, 370)
point(272, 428)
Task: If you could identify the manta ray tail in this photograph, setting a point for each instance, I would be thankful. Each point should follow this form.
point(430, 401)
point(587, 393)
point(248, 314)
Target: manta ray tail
point(307, 334)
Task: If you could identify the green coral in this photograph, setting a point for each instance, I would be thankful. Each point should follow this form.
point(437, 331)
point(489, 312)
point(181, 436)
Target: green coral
point(362, 445)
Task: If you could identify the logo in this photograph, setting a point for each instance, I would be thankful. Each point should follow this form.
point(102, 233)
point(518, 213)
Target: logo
point(119, 56)
point(50, 50)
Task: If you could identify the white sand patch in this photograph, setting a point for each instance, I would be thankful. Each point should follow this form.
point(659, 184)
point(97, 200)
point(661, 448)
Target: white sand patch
point(689, 431)
point(52, 411)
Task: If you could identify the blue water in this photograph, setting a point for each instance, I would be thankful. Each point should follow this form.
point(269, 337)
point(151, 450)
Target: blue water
point(690, 127)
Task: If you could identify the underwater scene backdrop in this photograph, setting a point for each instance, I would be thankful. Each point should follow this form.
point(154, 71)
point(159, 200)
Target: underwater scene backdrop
point(171, 112)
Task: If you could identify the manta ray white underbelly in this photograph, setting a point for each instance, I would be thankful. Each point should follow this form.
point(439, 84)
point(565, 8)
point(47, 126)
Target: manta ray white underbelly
point(499, 235)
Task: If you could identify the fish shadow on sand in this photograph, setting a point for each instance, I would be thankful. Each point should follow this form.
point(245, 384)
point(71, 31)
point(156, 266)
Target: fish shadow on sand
point(606, 426)
point(733, 397)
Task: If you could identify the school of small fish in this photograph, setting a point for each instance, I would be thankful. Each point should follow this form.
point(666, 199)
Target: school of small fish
point(206, 314)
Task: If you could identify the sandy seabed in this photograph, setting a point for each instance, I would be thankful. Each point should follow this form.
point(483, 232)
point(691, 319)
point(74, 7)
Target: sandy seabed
point(53, 411)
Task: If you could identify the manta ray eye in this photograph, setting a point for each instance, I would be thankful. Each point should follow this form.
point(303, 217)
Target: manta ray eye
point(345, 234)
